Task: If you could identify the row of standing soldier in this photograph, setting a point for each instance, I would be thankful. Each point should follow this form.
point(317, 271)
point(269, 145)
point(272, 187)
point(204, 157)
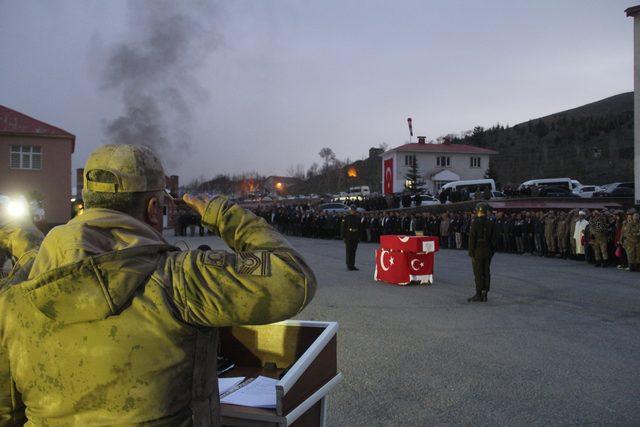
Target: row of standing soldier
point(611, 238)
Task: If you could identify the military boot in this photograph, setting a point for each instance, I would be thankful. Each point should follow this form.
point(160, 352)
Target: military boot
point(484, 296)
point(476, 298)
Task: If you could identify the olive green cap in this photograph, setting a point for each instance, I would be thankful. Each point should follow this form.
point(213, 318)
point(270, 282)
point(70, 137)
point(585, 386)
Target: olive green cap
point(136, 169)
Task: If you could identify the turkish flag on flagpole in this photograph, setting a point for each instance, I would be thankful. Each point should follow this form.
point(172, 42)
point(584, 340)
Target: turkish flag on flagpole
point(410, 126)
point(388, 176)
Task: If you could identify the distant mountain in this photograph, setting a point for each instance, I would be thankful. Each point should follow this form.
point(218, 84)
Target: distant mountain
point(592, 143)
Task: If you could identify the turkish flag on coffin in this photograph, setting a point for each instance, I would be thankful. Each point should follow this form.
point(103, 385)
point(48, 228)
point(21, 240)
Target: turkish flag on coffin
point(410, 243)
point(401, 268)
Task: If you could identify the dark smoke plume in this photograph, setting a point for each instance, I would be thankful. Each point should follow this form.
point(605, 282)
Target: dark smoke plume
point(154, 72)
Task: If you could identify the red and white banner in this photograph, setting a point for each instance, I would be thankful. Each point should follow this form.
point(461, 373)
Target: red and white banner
point(402, 268)
point(388, 176)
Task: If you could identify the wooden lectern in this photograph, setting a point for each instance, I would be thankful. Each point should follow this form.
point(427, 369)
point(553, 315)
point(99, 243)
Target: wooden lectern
point(304, 351)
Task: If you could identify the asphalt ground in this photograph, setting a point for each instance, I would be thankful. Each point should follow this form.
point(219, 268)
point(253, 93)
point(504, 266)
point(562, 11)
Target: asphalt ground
point(558, 343)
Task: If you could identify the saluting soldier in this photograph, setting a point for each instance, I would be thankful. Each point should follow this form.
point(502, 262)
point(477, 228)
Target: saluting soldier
point(482, 244)
point(350, 233)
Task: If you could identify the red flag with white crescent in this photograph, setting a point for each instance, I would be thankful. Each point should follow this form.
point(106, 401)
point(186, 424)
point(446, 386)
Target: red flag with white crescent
point(391, 266)
point(410, 126)
point(388, 176)
point(420, 264)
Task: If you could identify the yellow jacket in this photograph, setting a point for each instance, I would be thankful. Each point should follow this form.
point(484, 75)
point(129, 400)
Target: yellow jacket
point(116, 327)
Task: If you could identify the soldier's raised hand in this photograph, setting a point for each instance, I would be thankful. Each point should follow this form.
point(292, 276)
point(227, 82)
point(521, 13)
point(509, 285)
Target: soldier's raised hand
point(197, 203)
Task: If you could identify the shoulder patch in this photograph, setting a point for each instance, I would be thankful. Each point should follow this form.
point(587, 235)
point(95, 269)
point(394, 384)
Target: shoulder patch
point(257, 263)
point(217, 259)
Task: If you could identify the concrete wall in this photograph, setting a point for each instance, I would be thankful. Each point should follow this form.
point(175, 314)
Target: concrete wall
point(427, 167)
point(53, 181)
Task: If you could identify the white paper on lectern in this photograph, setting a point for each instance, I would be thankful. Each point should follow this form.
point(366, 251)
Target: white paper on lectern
point(428, 246)
point(259, 393)
point(226, 384)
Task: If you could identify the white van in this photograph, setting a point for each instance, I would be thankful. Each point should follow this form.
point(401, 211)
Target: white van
point(568, 183)
point(471, 186)
point(363, 190)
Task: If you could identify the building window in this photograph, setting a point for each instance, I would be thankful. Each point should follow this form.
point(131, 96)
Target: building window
point(443, 161)
point(409, 159)
point(475, 162)
point(25, 157)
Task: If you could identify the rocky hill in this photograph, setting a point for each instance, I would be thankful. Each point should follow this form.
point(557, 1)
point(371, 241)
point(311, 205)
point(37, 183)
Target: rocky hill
point(592, 143)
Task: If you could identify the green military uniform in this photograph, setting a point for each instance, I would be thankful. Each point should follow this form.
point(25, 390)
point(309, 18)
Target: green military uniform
point(115, 326)
point(350, 232)
point(482, 244)
point(630, 238)
point(562, 234)
point(550, 222)
point(599, 228)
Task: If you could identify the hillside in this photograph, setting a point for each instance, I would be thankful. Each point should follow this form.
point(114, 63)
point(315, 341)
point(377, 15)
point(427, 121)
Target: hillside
point(592, 143)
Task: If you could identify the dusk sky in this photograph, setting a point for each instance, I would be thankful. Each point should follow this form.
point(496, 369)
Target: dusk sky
point(263, 85)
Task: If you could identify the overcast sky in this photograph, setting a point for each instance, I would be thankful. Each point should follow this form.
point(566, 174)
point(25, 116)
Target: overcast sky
point(264, 85)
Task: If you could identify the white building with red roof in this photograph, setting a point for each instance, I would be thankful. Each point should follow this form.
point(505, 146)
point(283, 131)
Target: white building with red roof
point(36, 160)
point(437, 164)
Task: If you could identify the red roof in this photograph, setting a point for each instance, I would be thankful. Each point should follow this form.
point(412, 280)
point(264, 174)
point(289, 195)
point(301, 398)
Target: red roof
point(444, 148)
point(15, 123)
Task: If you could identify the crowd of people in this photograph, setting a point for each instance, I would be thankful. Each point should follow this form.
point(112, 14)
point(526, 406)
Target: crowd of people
point(600, 237)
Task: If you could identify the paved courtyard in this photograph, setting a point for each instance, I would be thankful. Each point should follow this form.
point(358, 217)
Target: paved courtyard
point(558, 342)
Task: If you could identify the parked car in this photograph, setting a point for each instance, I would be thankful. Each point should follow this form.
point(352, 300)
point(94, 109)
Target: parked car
point(586, 190)
point(616, 189)
point(428, 200)
point(556, 192)
point(568, 183)
point(336, 207)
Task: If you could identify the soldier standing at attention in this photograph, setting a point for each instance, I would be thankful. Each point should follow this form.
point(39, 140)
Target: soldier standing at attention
point(631, 240)
point(482, 244)
point(351, 235)
point(550, 233)
point(562, 233)
point(598, 228)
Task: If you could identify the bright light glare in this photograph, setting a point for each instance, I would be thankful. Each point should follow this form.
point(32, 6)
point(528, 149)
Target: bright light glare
point(17, 208)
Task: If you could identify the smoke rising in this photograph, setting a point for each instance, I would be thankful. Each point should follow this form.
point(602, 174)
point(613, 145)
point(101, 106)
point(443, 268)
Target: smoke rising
point(153, 71)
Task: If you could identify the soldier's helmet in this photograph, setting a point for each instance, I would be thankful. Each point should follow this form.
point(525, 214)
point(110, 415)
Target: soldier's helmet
point(482, 209)
point(134, 168)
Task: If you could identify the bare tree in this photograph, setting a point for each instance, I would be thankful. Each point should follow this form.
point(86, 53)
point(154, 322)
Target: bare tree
point(296, 171)
point(313, 170)
point(328, 156)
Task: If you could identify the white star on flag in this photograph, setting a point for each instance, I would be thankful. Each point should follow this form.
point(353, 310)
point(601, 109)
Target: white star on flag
point(391, 261)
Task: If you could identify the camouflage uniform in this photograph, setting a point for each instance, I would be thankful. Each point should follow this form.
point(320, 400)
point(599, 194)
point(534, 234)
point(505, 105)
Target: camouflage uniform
point(630, 239)
point(115, 326)
point(598, 228)
point(550, 232)
point(562, 233)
